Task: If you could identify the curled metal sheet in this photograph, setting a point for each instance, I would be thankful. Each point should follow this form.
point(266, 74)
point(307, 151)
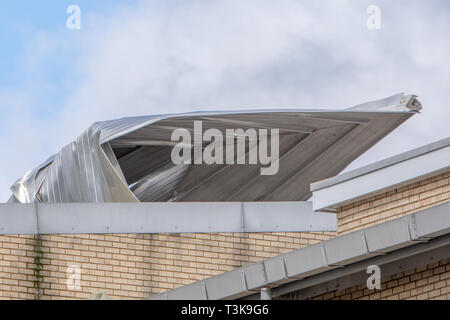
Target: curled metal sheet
point(128, 160)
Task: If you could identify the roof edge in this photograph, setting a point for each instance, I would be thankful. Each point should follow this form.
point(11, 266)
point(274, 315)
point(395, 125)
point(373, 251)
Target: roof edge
point(380, 164)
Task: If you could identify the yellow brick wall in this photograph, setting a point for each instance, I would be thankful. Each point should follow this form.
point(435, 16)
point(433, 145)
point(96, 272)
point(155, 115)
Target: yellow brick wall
point(138, 265)
point(430, 282)
point(395, 203)
point(131, 266)
point(17, 267)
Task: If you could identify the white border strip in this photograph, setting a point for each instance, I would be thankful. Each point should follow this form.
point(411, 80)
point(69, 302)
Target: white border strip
point(330, 197)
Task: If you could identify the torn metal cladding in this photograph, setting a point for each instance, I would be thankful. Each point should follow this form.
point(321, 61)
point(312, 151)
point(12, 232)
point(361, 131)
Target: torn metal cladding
point(129, 159)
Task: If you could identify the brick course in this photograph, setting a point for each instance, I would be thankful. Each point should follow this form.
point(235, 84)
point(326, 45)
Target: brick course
point(395, 203)
point(430, 282)
point(132, 266)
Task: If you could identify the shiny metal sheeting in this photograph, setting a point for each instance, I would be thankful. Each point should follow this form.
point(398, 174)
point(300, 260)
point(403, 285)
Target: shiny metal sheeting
point(128, 160)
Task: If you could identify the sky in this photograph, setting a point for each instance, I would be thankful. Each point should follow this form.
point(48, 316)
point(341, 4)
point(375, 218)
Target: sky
point(136, 57)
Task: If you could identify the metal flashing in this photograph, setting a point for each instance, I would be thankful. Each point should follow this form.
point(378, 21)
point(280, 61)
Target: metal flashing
point(342, 256)
point(381, 177)
point(162, 217)
point(380, 164)
point(345, 249)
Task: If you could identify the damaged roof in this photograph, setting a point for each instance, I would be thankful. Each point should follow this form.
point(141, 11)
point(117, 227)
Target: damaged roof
point(129, 159)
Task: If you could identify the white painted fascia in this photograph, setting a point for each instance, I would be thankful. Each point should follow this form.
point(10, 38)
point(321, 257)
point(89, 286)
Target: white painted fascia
point(329, 197)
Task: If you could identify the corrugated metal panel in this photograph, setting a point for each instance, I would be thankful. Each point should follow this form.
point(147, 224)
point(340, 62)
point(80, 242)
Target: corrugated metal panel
point(314, 144)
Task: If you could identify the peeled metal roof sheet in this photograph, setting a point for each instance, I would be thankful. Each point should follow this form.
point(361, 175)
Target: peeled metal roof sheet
point(128, 160)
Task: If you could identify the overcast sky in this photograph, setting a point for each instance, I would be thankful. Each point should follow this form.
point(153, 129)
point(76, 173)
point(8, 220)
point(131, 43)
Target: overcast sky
point(148, 57)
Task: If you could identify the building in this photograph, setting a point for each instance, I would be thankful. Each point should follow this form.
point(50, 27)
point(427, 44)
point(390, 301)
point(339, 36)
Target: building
point(393, 214)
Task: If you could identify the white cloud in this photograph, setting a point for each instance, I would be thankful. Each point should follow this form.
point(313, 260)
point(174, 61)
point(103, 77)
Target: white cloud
point(222, 55)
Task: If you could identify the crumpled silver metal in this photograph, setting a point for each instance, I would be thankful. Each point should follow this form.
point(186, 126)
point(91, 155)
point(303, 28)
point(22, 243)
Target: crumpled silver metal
point(85, 170)
point(88, 170)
